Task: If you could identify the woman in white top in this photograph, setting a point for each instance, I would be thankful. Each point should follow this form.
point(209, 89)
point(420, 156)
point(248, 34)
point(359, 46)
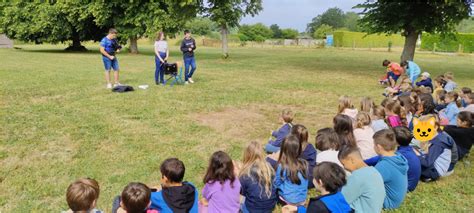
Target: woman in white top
point(161, 55)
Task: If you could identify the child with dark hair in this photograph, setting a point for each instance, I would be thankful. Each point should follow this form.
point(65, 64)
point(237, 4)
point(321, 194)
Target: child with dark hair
point(329, 178)
point(328, 143)
point(175, 195)
point(378, 119)
point(440, 100)
point(135, 198)
point(291, 178)
point(438, 155)
point(286, 118)
point(465, 91)
point(393, 111)
point(344, 129)
point(364, 190)
point(82, 196)
point(411, 69)
point(463, 133)
point(394, 70)
point(221, 192)
point(308, 152)
point(393, 167)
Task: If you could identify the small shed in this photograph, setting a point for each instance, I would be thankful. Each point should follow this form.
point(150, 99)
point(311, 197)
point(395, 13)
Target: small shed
point(5, 42)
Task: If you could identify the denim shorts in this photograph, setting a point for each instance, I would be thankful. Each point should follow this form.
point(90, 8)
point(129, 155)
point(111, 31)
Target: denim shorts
point(110, 64)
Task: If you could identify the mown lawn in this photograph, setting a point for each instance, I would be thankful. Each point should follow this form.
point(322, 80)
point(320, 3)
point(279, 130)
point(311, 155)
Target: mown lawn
point(59, 123)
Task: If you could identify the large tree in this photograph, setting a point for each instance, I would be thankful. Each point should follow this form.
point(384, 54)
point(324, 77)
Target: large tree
point(135, 19)
point(413, 18)
point(227, 14)
point(63, 21)
point(333, 17)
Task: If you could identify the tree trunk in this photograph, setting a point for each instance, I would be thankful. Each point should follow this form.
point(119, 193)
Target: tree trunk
point(76, 43)
point(133, 45)
point(411, 36)
point(225, 48)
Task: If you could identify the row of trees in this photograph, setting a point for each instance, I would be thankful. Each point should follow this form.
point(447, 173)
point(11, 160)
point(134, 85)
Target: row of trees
point(259, 32)
point(75, 21)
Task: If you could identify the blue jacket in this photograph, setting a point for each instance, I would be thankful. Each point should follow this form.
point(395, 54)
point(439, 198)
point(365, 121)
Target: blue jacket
point(413, 70)
point(334, 203)
point(293, 193)
point(309, 154)
point(414, 166)
point(256, 200)
point(452, 112)
point(280, 134)
point(394, 174)
point(441, 157)
point(426, 83)
point(181, 198)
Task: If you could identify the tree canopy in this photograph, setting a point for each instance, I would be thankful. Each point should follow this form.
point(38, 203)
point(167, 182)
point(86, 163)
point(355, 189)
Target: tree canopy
point(413, 18)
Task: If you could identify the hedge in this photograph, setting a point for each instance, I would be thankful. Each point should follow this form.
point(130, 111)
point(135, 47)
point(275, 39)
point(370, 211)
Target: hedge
point(362, 40)
point(449, 43)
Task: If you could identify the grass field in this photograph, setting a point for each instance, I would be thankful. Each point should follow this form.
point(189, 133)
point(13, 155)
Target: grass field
point(59, 123)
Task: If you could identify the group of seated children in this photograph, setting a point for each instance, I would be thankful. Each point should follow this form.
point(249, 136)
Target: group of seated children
point(367, 161)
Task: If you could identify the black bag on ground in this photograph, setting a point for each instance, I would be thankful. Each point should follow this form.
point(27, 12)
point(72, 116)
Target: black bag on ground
point(122, 88)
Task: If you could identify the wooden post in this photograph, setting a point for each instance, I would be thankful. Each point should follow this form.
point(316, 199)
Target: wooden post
point(353, 44)
point(434, 47)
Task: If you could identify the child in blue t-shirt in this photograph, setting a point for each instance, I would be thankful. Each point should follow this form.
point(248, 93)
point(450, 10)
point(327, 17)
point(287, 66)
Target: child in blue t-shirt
point(286, 118)
point(452, 109)
point(393, 167)
point(328, 179)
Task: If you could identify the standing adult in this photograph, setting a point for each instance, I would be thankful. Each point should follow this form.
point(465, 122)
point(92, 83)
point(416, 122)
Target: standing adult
point(109, 46)
point(161, 55)
point(412, 70)
point(188, 45)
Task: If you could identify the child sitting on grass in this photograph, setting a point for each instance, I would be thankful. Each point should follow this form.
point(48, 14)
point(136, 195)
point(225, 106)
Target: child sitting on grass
point(463, 133)
point(364, 190)
point(367, 105)
point(469, 100)
point(450, 84)
point(393, 110)
point(328, 179)
point(344, 129)
point(465, 92)
point(378, 119)
point(82, 196)
point(437, 156)
point(363, 135)
point(308, 151)
point(452, 109)
point(327, 142)
point(175, 195)
point(346, 107)
point(439, 83)
point(221, 192)
point(394, 70)
point(393, 168)
point(135, 198)
point(286, 118)
point(256, 179)
point(291, 178)
point(425, 81)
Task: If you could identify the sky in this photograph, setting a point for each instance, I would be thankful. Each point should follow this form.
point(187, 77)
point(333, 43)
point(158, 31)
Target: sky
point(296, 14)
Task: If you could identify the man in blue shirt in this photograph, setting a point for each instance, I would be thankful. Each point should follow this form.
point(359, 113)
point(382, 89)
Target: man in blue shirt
point(109, 46)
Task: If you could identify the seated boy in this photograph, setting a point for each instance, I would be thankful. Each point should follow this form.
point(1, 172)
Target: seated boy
point(392, 166)
point(438, 155)
point(364, 190)
point(82, 195)
point(394, 70)
point(175, 195)
point(328, 179)
point(425, 81)
point(404, 137)
point(286, 118)
point(135, 198)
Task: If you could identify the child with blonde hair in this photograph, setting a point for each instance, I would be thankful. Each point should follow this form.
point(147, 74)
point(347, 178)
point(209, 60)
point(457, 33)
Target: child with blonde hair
point(363, 135)
point(346, 107)
point(256, 179)
point(286, 118)
point(450, 84)
point(378, 119)
point(367, 105)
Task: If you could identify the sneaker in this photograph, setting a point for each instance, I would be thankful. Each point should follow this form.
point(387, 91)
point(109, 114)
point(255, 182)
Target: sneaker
point(191, 81)
point(117, 84)
point(109, 86)
point(186, 83)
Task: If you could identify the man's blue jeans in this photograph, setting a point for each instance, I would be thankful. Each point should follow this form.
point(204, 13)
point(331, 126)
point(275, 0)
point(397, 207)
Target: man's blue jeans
point(189, 62)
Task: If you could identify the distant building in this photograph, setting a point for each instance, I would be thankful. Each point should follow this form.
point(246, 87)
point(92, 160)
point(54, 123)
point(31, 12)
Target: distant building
point(5, 42)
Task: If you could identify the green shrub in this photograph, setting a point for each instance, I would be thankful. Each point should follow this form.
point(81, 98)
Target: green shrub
point(449, 43)
point(362, 40)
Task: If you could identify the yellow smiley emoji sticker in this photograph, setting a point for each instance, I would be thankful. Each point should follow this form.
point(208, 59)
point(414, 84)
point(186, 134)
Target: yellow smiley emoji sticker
point(424, 130)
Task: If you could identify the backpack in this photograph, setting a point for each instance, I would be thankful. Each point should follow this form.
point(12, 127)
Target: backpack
point(122, 88)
